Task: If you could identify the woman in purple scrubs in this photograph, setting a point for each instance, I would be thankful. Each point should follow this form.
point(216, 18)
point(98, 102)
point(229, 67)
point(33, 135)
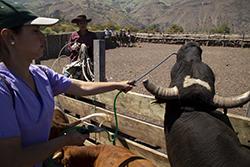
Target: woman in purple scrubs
point(26, 117)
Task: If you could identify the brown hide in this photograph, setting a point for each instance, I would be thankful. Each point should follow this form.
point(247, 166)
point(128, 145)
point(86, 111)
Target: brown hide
point(101, 156)
point(60, 121)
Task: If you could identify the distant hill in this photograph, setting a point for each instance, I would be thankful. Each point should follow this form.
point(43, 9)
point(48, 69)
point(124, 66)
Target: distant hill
point(192, 15)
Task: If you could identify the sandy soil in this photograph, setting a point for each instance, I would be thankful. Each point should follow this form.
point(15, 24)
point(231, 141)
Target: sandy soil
point(230, 66)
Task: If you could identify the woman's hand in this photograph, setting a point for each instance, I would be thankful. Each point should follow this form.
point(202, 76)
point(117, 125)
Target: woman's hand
point(124, 85)
point(75, 138)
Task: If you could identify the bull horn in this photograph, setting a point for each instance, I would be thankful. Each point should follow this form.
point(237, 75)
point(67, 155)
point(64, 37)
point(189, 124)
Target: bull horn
point(160, 92)
point(231, 102)
point(58, 155)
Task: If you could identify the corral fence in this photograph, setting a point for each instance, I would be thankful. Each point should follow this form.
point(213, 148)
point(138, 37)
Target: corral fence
point(56, 42)
point(242, 41)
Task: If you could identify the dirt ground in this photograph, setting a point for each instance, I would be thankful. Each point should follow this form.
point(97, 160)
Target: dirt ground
point(230, 66)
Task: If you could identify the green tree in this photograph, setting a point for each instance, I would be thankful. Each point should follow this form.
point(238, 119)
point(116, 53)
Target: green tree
point(61, 19)
point(134, 29)
point(97, 26)
point(63, 28)
point(67, 21)
point(92, 29)
point(223, 28)
point(71, 28)
point(174, 29)
point(57, 28)
point(150, 29)
point(157, 29)
point(48, 30)
point(111, 26)
point(144, 30)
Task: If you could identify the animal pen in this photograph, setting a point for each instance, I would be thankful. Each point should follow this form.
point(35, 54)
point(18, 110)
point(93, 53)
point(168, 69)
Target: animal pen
point(242, 41)
point(143, 138)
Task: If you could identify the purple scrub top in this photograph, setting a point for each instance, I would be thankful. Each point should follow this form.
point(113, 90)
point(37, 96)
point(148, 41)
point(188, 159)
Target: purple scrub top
point(31, 115)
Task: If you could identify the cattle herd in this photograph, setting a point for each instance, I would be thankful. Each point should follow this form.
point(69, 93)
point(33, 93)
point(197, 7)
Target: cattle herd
point(120, 40)
point(196, 134)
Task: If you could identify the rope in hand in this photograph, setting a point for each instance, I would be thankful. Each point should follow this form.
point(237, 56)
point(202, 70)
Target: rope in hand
point(76, 127)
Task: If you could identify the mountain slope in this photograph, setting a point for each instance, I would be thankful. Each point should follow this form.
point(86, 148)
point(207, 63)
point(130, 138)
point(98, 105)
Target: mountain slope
point(198, 15)
point(192, 15)
point(99, 12)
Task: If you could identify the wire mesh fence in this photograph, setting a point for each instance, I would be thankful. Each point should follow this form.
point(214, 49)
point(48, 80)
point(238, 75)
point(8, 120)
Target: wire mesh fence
point(55, 44)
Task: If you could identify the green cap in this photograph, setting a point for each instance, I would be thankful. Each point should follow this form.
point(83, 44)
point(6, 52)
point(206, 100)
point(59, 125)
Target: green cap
point(13, 14)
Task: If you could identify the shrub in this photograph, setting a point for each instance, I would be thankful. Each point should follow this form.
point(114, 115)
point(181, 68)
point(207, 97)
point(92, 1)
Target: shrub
point(222, 29)
point(174, 29)
point(48, 30)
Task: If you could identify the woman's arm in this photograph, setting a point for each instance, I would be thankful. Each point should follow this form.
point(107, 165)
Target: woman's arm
point(12, 154)
point(82, 88)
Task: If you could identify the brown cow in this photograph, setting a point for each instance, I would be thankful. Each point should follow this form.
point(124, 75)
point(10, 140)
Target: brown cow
point(100, 156)
point(60, 121)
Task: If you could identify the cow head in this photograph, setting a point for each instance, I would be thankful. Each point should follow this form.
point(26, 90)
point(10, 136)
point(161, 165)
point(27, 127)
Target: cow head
point(192, 84)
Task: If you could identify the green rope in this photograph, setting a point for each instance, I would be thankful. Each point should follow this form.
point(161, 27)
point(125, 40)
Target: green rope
point(116, 122)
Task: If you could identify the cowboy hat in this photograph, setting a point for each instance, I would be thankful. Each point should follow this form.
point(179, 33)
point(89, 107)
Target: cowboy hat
point(80, 18)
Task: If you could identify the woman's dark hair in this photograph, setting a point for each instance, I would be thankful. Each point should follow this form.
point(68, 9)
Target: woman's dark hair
point(17, 29)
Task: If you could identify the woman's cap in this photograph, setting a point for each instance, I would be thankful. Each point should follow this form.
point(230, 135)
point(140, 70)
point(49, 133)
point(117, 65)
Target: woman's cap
point(13, 14)
point(80, 18)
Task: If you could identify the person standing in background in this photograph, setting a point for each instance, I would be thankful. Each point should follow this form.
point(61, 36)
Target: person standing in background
point(81, 36)
point(107, 32)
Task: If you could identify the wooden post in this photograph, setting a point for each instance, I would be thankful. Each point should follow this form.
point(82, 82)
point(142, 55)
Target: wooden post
point(99, 60)
point(248, 110)
point(243, 36)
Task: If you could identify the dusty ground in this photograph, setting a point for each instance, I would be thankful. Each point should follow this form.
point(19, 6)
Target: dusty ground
point(230, 66)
